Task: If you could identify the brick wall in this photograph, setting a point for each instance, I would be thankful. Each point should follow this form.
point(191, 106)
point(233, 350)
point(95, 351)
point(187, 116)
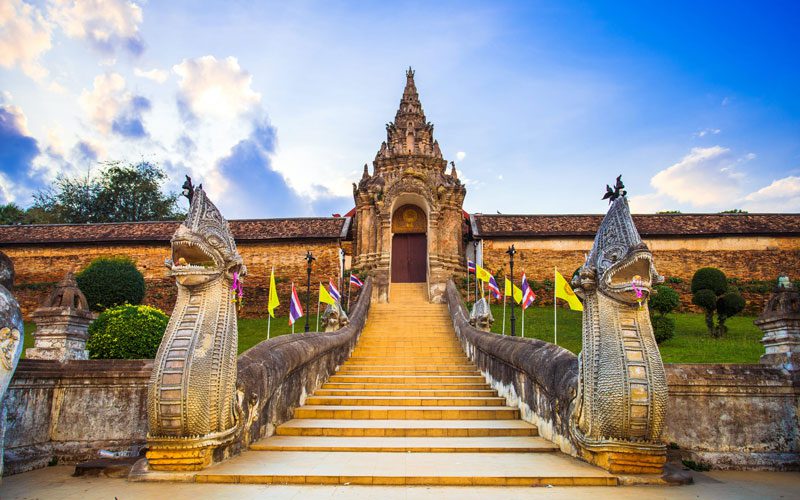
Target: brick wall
point(744, 258)
point(39, 267)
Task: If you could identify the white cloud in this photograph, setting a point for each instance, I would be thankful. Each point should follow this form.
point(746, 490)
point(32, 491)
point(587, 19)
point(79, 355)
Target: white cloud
point(24, 36)
point(20, 121)
point(707, 131)
point(106, 24)
point(783, 195)
point(460, 156)
point(155, 74)
point(215, 89)
point(706, 177)
point(105, 100)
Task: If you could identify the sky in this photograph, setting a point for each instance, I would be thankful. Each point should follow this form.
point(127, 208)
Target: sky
point(276, 106)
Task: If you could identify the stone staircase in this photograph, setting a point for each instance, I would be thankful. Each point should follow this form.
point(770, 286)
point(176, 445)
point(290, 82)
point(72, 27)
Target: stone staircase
point(407, 408)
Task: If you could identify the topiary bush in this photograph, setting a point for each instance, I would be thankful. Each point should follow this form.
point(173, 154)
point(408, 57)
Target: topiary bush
point(109, 282)
point(710, 292)
point(662, 301)
point(710, 278)
point(127, 332)
point(663, 328)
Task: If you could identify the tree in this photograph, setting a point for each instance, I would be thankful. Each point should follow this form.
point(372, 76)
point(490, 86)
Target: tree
point(108, 282)
point(11, 214)
point(668, 212)
point(121, 193)
point(710, 293)
point(734, 211)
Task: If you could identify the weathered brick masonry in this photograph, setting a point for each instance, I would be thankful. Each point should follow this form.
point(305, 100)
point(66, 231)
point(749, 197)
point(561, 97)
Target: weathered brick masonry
point(41, 260)
point(750, 248)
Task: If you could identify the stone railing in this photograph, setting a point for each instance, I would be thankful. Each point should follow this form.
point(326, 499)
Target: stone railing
point(538, 377)
point(275, 376)
point(67, 412)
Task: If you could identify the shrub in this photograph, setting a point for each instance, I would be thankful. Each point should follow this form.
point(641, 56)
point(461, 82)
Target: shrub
point(710, 292)
point(108, 282)
point(710, 278)
point(664, 300)
point(127, 332)
point(663, 328)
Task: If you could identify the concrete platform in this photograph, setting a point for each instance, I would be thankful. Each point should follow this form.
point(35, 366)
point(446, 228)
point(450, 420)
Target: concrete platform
point(57, 483)
point(463, 469)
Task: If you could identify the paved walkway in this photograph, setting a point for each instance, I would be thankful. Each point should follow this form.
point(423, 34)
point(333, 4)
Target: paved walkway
point(58, 483)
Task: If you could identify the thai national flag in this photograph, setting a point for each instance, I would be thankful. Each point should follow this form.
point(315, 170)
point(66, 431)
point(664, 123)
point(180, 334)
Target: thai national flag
point(527, 293)
point(295, 309)
point(470, 266)
point(355, 281)
point(492, 284)
point(334, 291)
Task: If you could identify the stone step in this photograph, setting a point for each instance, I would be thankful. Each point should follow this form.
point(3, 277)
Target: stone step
point(407, 412)
point(406, 428)
point(404, 386)
point(403, 401)
point(405, 371)
point(408, 392)
point(406, 444)
point(409, 379)
point(434, 469)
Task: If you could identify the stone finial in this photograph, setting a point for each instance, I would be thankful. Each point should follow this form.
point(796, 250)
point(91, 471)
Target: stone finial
point(334, 318)
point(780, 323)
point(62, 324)
point(481, 315)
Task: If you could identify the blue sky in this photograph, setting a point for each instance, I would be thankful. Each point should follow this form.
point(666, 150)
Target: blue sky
point(275, 107)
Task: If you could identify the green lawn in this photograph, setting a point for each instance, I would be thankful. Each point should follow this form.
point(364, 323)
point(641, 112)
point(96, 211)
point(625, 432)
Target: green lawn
point(691, 343)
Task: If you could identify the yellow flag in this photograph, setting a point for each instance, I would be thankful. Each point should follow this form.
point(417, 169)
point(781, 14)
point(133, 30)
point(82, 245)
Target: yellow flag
point(273, 301)
point(482, 274)
point(324, 296)
point(564, 291)
point(517, 292)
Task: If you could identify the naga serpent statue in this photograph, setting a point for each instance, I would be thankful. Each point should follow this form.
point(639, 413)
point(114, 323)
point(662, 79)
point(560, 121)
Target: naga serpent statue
point(192, 404)
point(11, 332)
point(618, 413)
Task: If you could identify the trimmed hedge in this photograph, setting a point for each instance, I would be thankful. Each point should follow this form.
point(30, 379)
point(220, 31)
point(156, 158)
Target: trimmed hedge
point(109, 282)
point(127, 332)
point(710, 278)
point(663, 328)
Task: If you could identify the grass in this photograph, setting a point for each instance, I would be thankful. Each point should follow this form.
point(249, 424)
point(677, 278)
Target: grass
point(251, 331)
point(691, 343)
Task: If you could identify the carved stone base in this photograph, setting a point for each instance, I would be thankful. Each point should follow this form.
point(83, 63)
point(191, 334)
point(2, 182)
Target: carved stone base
point(633, 462)
point(179, 460)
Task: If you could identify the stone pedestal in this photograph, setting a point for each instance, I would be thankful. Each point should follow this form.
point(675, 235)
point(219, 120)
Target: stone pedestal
point(780, 323)
point(62, 324)
point(61, 333)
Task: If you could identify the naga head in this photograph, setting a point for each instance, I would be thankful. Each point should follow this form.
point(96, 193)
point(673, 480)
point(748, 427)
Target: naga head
point(619, 264)
point(203, 248)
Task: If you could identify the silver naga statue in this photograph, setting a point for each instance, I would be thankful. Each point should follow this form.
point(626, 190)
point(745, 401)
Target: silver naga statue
point(192, 406)
point(11, 333)
point(618, 414)
point(481, 315)
point(334, 318)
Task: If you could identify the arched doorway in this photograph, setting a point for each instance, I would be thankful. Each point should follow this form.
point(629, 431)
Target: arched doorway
point(409, 245)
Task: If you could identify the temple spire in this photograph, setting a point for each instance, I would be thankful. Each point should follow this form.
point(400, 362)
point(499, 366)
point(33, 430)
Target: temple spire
point(409, 133)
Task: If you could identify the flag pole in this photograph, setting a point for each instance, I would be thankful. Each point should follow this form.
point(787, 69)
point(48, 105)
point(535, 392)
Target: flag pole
point(555, 311)
point(523, 318)
point(504, 310)
point(349, 288)
point(320, 285)
point(468, 281)
point(269, 316)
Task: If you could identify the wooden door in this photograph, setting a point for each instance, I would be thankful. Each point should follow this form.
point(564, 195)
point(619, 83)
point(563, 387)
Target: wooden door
point(409, 258)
